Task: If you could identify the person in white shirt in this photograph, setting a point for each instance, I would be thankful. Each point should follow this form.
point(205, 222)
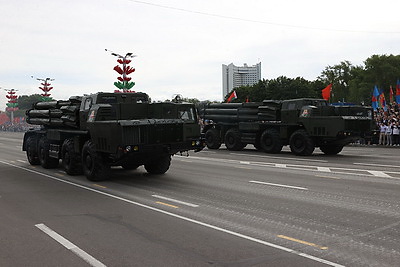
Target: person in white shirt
point(389, 141)
point(382, 133)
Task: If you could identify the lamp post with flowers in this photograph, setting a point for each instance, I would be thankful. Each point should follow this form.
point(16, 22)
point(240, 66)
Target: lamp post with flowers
point(12, 104)
point(45, 88)
point(124, 82)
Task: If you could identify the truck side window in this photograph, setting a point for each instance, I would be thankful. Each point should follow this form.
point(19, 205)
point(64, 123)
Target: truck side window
point(292, 106)
point(88, 103)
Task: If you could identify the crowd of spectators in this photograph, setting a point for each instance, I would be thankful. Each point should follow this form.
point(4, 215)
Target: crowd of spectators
point(15, 127)
point(388, 125)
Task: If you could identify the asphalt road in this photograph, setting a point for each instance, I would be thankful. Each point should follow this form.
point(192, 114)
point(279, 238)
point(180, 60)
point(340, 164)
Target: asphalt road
point(213, 208)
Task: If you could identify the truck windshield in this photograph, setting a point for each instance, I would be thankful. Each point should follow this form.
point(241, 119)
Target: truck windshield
point(186, 113)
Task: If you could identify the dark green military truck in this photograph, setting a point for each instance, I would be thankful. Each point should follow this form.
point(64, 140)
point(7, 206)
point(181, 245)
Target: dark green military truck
point(303, 124)
point(94, 132)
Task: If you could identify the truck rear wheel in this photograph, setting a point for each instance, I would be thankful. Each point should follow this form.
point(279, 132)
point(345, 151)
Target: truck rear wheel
point(43, 153)
point(331, 149)
point(270, 141)
point(71, 161)
point(301, 144)
point(232, 140)
point(94, 165)
point(32, 151)
point(159, 165)
point(213, 138)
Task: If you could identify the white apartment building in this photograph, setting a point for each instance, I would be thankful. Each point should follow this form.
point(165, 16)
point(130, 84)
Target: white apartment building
point(234, 76)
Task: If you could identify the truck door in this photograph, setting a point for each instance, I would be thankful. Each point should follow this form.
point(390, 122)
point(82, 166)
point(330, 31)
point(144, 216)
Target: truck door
point(84, 111)
point(290, 112)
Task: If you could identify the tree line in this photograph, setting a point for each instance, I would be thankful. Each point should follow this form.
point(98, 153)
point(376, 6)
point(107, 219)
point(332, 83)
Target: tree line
point(349, 83)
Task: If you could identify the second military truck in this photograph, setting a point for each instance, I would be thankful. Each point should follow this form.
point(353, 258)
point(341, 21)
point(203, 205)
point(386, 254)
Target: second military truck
point(94, 132)
point(303, 124)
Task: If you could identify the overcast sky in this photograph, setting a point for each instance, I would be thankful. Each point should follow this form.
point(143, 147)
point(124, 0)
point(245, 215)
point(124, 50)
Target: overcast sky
point(181, 45)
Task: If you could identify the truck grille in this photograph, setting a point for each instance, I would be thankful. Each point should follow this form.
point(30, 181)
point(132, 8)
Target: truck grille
point(134, 135)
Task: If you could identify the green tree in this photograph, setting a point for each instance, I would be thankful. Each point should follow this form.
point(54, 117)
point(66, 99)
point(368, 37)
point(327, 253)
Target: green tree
point(380, 70)
point(287, 88)
point(26, 102)
point(339, 76)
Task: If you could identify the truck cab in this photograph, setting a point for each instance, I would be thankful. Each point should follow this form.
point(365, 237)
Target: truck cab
point(292, 109)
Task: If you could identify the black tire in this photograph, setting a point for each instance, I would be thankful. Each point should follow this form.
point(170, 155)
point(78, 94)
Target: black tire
point(331, 149)
point(301, 144)
point(32, 151)
point(70, 160)
point(270, 141)
point(43, 153)
point(94, 165)
point(232, 140)
point(158, 165)
point(213, 138)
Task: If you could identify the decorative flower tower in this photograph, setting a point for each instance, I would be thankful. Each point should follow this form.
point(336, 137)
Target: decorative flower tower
point(12, 104)
point(46, 88)
point(124, 82)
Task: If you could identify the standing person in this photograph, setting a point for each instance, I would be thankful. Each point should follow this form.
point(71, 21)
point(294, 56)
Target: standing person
point(396, 133)
point(382, 133)
point(389, 141)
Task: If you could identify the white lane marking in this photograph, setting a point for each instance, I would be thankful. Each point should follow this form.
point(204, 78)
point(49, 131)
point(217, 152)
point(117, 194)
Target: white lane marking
point(379, 174)
point(245, 162)
point(280, 165)
point(279, 185)
point(70, 246)
point(272, 157)
point(324, 169)
point(377, 165)
point(176, 201)
point(22, 161)
point(347, 171)
point(256, 240)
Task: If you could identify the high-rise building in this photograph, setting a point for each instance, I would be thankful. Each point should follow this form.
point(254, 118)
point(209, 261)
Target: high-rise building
point(234, 76)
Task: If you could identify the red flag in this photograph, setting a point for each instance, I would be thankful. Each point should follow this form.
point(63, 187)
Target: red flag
point(326, 92)
point(232, 97)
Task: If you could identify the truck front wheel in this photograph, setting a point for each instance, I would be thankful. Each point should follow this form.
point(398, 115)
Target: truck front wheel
point(232, 140)
point(94, 165)
point(270, 141)
point(71, 161)
point(159, 165)
point(213, 138)
point(32, 151)
point(301, 144)
point(43, 153)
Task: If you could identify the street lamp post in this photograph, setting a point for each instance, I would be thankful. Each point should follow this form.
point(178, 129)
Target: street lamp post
point(12, 104)
point(124, 82)
point(45, 88)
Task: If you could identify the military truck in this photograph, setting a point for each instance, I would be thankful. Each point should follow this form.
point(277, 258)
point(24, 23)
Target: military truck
point(91, 133)
point(303, 124)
